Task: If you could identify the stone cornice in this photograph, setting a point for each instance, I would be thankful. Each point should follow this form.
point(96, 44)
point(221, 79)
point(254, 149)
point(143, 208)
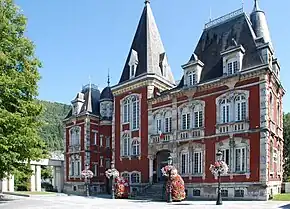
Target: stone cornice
point(222, 81)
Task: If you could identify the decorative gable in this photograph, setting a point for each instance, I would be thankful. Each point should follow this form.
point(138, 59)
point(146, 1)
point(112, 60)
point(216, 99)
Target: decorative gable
point(192, 71)
point(77, 103)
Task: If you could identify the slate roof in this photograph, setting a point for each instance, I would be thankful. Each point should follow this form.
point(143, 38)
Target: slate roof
point(92, 101)
point(220, 37)
point(107, 94)
point(147, 43)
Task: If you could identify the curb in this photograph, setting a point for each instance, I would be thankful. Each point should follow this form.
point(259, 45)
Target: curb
point(16, 194)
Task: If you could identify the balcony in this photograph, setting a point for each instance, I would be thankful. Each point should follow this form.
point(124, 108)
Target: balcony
point(155, 138)
point(74, 148)
point(195, 133)
point(232, 127)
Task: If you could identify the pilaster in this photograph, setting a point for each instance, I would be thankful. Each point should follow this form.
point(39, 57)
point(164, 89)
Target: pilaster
point(32, 179)
point(38, 178)
point(87, 141)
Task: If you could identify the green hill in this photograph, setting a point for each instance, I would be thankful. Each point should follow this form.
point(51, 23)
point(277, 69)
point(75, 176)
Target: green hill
point(52, 130)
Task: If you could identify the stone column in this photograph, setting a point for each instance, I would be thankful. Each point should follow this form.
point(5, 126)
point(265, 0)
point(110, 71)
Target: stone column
point(151, 158)
point(11, 184)
point(53, 180)
point(38, 178)
point(32, 179)
point(58, 179)
point(3, 185)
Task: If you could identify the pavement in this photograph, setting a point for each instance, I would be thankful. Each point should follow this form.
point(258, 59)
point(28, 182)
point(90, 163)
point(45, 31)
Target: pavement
point(77, 202)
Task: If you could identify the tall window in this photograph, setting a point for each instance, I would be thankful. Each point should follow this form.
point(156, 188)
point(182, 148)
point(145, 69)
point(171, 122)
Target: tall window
point(278, 159)
point(225, 110)
point(198, 116)
point(158, 124)
point(240, 159)
point(108, 141)
point(135, 178)
point(95, 134)
point(197, 162)
point(271, 106)
point(191, 79)
point(135, 111)
point(95, 169)
point(240, 107)
point(72, 168)
point(184, 162)
point(226, 156)
point(135, 148)
point(185, 121)
point(75, 136)
point(126, 145)
point(271, 161)
point(126, 111)
point(168, 124)
point(232, 67)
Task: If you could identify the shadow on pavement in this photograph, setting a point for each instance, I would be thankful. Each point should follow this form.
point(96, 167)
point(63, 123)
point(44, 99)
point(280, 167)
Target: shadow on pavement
point(285, 206)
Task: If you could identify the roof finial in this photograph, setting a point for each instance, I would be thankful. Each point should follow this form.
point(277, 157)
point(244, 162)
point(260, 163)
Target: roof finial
point(147, 2)
point(108, 77)
point(256, 5)
point(210, 14)
point(90, 83)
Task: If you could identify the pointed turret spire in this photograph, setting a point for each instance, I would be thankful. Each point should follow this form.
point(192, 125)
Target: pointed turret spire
point(259, 23)
point(147, 52)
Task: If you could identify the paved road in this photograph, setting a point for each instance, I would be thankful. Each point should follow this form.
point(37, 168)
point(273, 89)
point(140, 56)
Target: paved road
point(75, 202)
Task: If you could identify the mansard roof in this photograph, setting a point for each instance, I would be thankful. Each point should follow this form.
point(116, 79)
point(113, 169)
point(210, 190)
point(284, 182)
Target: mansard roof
point(149, 48)
point(219, 37)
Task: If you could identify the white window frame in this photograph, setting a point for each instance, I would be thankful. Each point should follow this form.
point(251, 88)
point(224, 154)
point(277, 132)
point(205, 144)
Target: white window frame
point(135, 147)
point(240, 107)
point(191, 76)
point(185, 120)
point(126, 175)
point(199, 162)
point(108, 142)
point(135, 112)
point(95, 137)
point(168, 124)
point(158, 124)
point(126, 111)
point(184, 162)
point(232, 66)
point(101, 140)
point(138, 174)
point(95, 169)
point(101, 161)
point(126, 145)
point(242, 160)
point(198, 116)
point(225, 110)
point(75, 136)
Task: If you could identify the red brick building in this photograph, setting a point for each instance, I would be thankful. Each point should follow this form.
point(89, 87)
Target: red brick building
point(229, 99)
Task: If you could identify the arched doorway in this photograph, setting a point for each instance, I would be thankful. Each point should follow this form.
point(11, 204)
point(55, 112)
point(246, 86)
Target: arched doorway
point(161, 161)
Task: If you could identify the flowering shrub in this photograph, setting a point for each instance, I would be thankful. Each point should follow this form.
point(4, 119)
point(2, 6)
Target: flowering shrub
point(112, 172)
point(219, 167)
point(165, 170)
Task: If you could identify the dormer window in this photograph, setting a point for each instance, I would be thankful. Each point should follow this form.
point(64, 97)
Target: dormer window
point(233, 67)
point(191, 79)
point(133, 63)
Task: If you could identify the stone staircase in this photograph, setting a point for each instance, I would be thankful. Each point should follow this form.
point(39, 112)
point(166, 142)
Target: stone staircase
point(153, 192)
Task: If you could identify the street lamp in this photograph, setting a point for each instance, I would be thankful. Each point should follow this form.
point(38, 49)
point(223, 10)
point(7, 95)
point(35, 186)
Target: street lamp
point(219, 156)
point(219, 168)
point(112, 174)
point(169, 200)
point(87, 174)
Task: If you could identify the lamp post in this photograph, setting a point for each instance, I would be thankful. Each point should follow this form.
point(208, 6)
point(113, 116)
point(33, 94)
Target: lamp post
point(169, 200)
point(87, 174)
point(112, 174)
point(219, 156)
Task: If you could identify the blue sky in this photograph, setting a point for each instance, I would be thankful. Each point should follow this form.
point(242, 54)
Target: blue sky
point(76, 40)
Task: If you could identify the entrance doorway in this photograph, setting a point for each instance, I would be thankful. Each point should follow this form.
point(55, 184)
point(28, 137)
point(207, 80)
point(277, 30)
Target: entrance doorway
point(161, 161)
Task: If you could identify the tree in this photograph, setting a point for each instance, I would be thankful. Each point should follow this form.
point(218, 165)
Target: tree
point(19, 109)
point(286, 136)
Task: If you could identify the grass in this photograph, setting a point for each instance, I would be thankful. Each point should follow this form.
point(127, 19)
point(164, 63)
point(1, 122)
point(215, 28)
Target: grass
point(34, 193)
point(282, 197)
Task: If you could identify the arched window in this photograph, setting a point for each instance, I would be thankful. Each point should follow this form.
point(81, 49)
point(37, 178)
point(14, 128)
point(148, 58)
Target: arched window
point(126, 145)
point(135, 148)
point(168, 122)
point(126, 111)
point(135, 178)
point(185, 119)
point(75, 136)
point(135, 112)
point(240, 108)
point(198, 116)
point(126, 175)
point(225, 110)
